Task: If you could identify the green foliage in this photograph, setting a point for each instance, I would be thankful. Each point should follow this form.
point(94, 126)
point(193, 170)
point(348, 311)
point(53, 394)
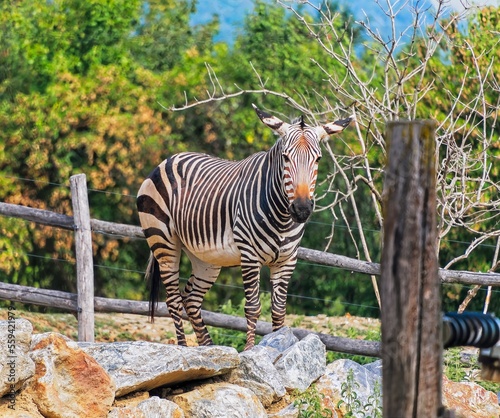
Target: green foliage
point(14, 246)
point(309, 404)
point(163, 34)
point(349, 396)
point(83, 97)
point(43, 39)
point(374, 402)
point(74, 100)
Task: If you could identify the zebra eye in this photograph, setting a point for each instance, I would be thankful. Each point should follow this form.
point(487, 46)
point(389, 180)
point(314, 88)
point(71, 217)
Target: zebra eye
point(286, 158)
point(317, 159)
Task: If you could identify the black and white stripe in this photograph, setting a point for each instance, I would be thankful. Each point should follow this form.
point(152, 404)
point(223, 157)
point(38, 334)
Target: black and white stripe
point(226, 213)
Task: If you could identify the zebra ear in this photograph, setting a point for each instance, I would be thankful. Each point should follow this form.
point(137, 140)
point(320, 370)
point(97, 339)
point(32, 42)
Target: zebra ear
point(333, 127)
point(273, 122)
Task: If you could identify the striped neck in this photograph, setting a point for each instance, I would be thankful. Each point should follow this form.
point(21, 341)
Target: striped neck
point(274, 195)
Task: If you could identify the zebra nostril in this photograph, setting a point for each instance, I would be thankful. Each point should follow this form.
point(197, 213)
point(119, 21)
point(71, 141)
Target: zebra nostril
point(301, 210)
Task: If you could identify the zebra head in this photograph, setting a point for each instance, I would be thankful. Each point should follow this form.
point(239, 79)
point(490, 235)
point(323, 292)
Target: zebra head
point(301, 153)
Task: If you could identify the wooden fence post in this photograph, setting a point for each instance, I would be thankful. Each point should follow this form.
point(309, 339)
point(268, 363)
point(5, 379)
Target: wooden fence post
point(410, 285)
point(84, 259)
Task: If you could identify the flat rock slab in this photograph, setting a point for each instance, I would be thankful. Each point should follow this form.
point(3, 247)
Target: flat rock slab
point(142, 365)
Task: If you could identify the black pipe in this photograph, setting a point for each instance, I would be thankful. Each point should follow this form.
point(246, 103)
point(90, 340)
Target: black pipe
point(470, 329)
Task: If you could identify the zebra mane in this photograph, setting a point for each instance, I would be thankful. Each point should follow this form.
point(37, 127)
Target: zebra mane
point(299, 119)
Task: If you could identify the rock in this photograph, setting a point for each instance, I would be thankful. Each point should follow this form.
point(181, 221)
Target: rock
point(153, 407)
point(126, 412)
point(374, 367)
point(257, 373)
point(67, 382)
point(23, 406)
point(290, 411)
point(220, 400)
point(142, 365)
point(359, 391)
point(302, 363)
point(16, 365)
point(469, 400)
point(278, 341)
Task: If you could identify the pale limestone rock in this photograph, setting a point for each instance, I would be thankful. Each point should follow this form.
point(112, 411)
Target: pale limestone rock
point(68, 383)
point(303, 363)
point(142, 365)
point(374, 367)
point(257, 373)
point(290, 411)
point(220, 400)
point(278, 342)
point(15, 364)
point(153, 407)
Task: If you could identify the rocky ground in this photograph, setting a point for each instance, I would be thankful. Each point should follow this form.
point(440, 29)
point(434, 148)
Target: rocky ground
point(276, 385)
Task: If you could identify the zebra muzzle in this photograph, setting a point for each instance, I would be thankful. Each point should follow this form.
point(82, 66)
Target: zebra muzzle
point(301, 209)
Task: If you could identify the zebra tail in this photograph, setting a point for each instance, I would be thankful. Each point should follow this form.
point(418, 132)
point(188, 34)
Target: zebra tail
point(153, 278)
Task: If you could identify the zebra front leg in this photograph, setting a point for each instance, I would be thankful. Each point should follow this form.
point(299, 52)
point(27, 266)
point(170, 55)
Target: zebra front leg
point(280, 276)
point(251, 275)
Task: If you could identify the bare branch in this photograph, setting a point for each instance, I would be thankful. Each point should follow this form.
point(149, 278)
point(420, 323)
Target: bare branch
point(396, 83)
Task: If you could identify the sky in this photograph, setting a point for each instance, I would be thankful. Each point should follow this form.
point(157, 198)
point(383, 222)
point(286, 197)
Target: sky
point(460, 5)
point(232, 12)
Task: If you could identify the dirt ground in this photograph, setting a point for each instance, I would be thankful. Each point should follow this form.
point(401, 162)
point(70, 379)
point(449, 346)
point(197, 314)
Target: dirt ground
point(128, 327)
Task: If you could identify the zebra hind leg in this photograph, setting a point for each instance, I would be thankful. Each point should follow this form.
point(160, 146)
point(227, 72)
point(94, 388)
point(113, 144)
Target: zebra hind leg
point(202, 278)
point(169, 275)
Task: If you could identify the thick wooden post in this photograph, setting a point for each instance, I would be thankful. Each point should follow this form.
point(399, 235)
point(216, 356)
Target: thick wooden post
point(410, 285)
point(84, 259)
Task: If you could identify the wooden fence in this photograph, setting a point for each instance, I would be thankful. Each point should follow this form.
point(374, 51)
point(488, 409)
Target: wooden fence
point(84, 302)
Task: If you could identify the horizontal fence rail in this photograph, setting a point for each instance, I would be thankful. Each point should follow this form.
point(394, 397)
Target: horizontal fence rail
point(118, 230)
point(68, 301)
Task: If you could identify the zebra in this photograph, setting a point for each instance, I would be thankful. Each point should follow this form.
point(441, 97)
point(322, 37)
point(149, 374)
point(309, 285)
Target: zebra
point(228, 213)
